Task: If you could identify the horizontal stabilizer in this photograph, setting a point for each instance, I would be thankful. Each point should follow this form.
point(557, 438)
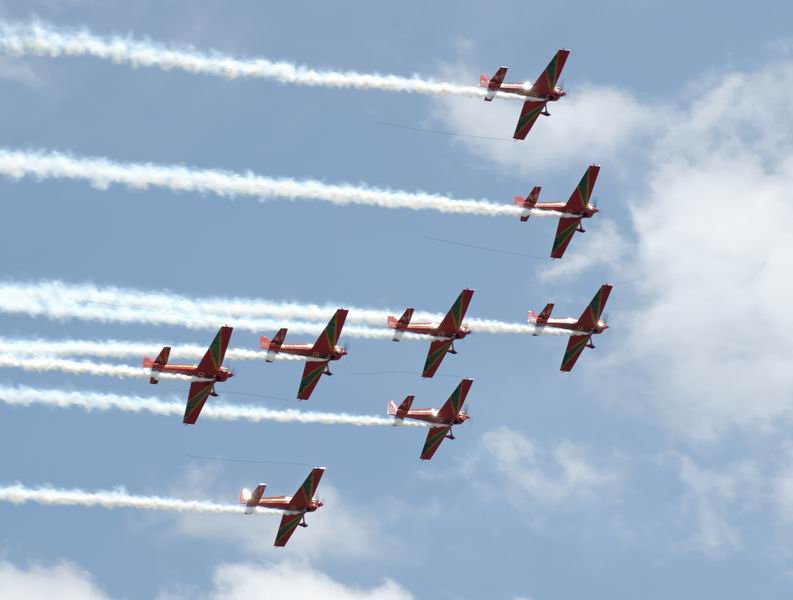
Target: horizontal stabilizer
point(401, 411)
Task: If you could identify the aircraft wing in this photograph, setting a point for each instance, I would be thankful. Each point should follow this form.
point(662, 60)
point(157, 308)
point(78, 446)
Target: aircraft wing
point(435, 436)
point(564, 233)
point(574, 349)
point(306, 492)
point(329, 337)
point(213, 359)
point(311, 375)
point(590, 317)
point(454, 404)
point(287, 527)
point(438, 349)
point(528, 115)
point(454, 318)
point(579, 199)
point(196, 397)
point(546, 82)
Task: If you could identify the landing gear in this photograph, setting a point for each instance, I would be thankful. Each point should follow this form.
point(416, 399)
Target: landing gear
point(327, 370)
point(450, 435)
point(590, 344)
point(452, 350)
point(303, 522)
point(213, 393)
point(580, 228)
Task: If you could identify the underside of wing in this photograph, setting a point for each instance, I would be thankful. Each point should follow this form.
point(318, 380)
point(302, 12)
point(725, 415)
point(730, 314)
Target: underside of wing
point(434, 438)
point(564, 233)
point(311, 375)
point(574, 349)
point(196, 397)
point(287, 527)
point(528, 115)
point(438, 349)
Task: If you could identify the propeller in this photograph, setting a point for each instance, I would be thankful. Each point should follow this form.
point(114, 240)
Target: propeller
point(346, 345)
point(561, 85)
point(605, 319)
point(594, 202)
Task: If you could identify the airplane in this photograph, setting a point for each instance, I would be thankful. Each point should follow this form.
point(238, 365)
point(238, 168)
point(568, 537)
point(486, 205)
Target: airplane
point(318, 355)
point(208, 372)
point(537, 95)
point(295, 507)
point(575, 209)
point(587, 325)
point(451, 413)
point(443, 335)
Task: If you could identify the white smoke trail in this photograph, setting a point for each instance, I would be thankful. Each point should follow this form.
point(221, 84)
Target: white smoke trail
point(120, 349)
point(101, 173)
point(118, 498)
point(219, 411)
point(57, 300)
point(42, 40)
point(41, 364)
point(549, 330)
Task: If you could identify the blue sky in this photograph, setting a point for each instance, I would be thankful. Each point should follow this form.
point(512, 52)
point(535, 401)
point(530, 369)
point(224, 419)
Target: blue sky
point(661, 466)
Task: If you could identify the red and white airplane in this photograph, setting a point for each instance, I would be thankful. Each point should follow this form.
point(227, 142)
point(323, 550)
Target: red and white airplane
point(207, 373)
point(318, 355)
point(451, 413)
point(444, 333)
point(295, 507)
point(576, 208)
point(537, 95)
point(587, 325)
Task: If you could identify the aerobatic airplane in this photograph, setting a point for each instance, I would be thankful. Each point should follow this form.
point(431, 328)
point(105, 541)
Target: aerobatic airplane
point(576, 208)
point(449, 329)
point(587, 325)
point(537, 95)
point(318, 355)
point(208, 372)
point(451, 413)
point(295, 507)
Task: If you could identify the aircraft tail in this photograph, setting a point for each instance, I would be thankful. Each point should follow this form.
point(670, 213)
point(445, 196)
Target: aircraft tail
point(398, 324)
point(251, 499)
point(540, 320)
point(160, 361)
point(528, 202)
point(493, 83)
point(401, 411)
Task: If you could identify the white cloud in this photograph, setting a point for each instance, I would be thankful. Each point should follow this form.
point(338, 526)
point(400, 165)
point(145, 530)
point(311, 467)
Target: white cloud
point(18, 70)
point(602, 245)
point(287, 581)
point(592, 124)
point(564, 473)
point(713, 262)
point(712, 498)
point(63, 581)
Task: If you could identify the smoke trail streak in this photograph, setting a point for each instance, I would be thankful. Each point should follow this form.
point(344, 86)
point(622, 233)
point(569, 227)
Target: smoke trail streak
point(101, 173)
point(41, 364)
point(117, 498)
point(219, 411)
point(120, 349)
point(58, 300)
point(39, 39)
